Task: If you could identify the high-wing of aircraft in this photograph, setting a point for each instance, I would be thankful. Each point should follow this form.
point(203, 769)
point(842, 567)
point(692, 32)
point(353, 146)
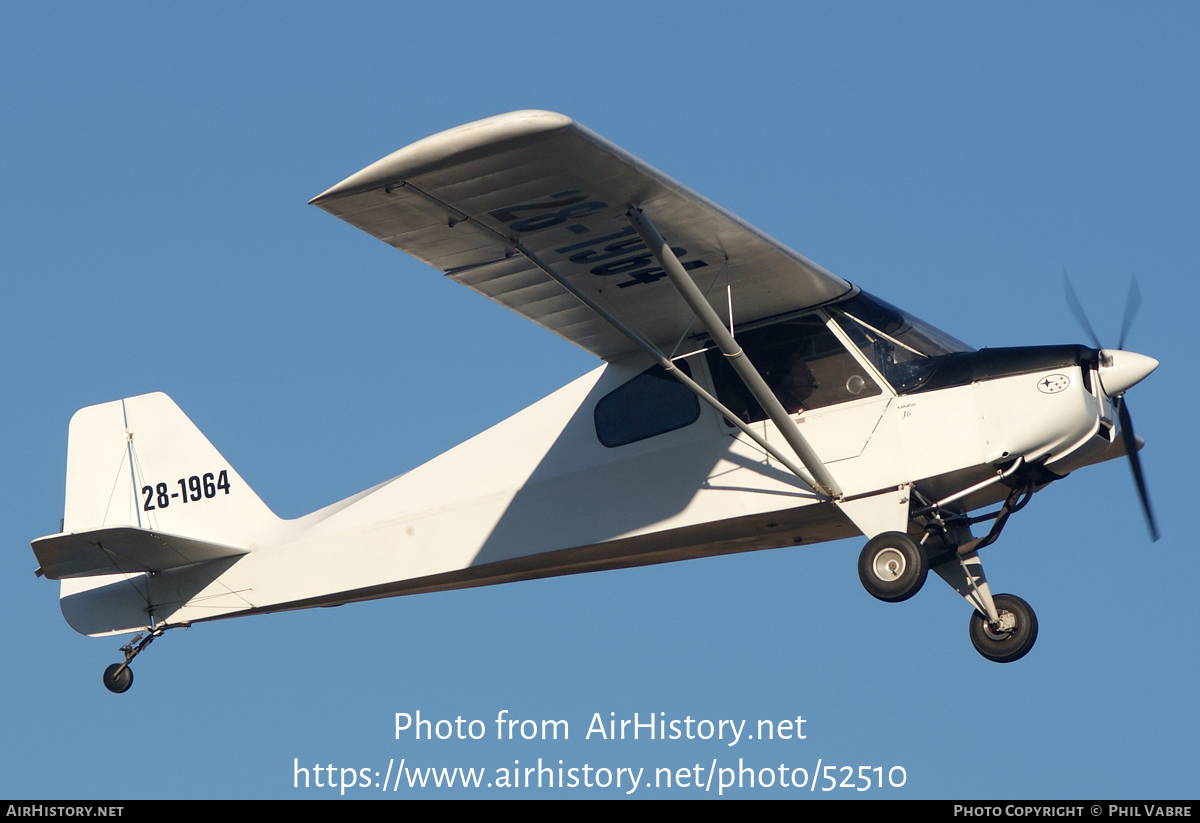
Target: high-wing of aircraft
point(749, 399)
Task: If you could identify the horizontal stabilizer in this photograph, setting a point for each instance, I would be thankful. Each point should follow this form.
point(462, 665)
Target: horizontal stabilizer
point(122, 549)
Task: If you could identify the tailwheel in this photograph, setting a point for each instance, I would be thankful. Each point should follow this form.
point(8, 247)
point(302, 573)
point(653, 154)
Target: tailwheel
point(892, 567)
point(1012, 637)
point(118, 678)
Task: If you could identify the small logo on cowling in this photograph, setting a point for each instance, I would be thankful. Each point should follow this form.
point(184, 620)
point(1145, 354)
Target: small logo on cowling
point(1053, 383)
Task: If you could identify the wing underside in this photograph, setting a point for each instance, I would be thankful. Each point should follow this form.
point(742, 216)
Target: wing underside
point(462, 199)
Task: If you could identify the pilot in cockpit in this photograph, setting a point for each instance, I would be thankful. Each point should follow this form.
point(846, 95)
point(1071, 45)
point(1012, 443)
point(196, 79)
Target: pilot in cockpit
point(792, 381)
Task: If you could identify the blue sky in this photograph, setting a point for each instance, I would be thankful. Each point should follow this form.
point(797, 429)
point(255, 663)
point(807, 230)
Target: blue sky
point(950, 158)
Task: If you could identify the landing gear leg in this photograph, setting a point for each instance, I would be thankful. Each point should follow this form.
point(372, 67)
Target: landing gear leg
point(119, 677)
point(964, 574)
point(1003, 627)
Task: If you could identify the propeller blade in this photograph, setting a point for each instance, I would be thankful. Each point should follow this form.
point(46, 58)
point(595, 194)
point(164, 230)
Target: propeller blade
point(1077, 309)
point(1136, 463)
point(1132, 303)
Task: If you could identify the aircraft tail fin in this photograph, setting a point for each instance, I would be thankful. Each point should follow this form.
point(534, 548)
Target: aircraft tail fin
point(141, 463)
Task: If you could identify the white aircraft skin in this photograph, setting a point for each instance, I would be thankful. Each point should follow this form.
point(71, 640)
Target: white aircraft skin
point(540, 482)
point(539, 495)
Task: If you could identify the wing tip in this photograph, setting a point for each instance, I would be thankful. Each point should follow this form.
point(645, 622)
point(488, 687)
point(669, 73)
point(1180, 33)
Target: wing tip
point(443, 147)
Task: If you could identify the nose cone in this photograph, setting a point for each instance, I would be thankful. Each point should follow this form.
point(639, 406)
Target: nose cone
point(1119, 370)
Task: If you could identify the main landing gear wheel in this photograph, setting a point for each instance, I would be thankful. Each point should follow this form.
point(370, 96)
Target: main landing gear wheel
point(118, 683)
point(1015, 635)
point(892, 567)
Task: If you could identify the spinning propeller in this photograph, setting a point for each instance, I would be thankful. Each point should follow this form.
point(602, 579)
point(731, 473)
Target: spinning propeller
point(1119, 370)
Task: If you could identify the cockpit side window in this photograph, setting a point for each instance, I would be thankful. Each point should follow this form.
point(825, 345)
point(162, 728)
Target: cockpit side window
point(650, 404)
point(802, 361)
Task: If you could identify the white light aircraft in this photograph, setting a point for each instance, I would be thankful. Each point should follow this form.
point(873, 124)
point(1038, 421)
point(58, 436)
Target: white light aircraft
point(749, 399)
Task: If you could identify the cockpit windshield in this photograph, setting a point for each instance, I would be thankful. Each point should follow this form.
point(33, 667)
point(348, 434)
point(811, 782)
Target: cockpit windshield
point(904, 349)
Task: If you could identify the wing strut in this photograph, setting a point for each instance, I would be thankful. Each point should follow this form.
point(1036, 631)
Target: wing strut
point(733, 353)
point(652, 350)
point(821, 489)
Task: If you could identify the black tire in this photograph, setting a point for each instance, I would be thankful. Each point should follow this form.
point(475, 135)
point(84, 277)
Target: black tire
point(1005, 646)
point(892, 567)
point(118, 684)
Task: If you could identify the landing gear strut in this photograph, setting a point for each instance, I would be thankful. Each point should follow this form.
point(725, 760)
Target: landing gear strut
point(1003, 627)
point(119, 677)
point(893, 567)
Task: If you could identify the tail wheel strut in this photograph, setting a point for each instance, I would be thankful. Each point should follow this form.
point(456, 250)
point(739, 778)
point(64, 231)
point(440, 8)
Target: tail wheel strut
point(119, 677)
